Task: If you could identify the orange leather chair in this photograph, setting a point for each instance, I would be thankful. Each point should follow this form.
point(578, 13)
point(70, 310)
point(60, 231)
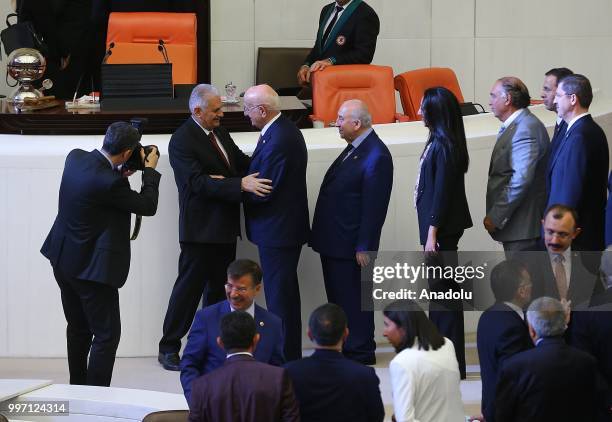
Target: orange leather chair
point(370, 83)
point(136, 36)
point(412, 85)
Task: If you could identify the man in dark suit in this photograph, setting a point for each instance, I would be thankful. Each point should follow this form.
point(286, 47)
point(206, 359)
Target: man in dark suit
point(549, 89)
point(591, 327)
point(89, 247)
point(516, 189)
point(328, 386)
point(347, 35)
point(551, 382)
point(243, 389)
point(561, 272)
point(579, 169)
point(502, 331)
point(278, 223)
point(209, 172)
point(350, 213)
point(202, 354)
point(609, 213)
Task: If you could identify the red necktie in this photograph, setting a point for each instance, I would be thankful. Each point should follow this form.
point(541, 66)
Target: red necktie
point(213, 140)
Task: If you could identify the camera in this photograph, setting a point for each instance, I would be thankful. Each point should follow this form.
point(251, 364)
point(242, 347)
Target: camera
point(135, 162)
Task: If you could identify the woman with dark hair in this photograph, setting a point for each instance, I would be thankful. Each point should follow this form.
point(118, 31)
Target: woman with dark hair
point(441, 204)
point(424, 374)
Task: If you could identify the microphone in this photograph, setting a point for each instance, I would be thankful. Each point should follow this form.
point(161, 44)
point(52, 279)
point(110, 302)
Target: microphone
point(108, 52)
point(162, 48)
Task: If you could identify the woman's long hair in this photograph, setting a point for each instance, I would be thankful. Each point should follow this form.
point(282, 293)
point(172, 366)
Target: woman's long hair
point(442, 115)
point(409, 317)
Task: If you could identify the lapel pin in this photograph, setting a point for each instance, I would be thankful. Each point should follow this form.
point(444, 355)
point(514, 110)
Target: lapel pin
point(261, 323)
point(355, 157)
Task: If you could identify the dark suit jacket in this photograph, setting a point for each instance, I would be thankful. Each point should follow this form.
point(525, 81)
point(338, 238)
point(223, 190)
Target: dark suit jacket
point(551, 382)
point(330, 387)
point(281, 218)
point(578, 178)
point(558, 135)
point(202, 354)
point(441, 200)
point(609, 213)
point(582, 281)
point(352, 39)
point(209, 209)
point(244, 390)
point(501, 334)
point(591, 331)
point(353, 200)
point(90, 238)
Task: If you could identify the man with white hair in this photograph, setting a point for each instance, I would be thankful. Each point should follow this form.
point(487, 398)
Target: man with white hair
point(209, 170)
point(350, 213)
point(278, 223)
point(553, 381)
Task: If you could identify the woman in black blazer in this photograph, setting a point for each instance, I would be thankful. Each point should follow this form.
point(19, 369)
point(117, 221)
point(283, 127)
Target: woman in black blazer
point(441, 205)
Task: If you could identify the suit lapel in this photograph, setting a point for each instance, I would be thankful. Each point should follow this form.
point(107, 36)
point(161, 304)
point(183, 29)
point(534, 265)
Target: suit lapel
point(563, 141)
point(340, 165)
point(265, 139)
point(339, 24)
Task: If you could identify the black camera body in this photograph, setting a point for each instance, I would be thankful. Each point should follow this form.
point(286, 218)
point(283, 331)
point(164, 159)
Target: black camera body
point(135, 162)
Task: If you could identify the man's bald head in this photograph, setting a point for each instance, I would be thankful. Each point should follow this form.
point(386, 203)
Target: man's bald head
point(261, 104)
point(353, 119)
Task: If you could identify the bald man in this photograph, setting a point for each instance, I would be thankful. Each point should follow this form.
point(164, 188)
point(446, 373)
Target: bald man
point(278, 223)
point(351, 210)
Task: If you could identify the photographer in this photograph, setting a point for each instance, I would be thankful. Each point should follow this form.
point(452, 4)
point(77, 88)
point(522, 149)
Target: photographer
point(89, 247)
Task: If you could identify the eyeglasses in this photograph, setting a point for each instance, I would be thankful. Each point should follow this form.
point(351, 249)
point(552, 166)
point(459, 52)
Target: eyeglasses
point(248, 109)
point(230, 287)
point(560, 235)
point(557, 95)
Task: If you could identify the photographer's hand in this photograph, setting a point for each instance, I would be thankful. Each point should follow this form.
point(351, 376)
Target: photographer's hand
point(260, 187)
point(151, 159)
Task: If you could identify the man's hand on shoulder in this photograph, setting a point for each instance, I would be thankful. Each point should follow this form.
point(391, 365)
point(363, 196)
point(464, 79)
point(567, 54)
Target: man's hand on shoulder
point(260, 187)
point(151, 159)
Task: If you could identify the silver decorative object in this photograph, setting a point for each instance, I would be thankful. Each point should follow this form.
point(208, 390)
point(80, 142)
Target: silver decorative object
point(230, 93)
point(25, 65)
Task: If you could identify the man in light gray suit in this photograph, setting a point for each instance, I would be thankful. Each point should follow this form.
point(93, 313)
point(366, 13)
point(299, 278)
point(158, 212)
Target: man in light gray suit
point(516, 190)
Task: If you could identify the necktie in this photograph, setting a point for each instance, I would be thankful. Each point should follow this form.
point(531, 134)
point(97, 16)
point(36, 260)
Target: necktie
point(347, 151)
point(560, 276)
point(501, 130)
point(331, 24)
point(557, 126)
point(213, 140)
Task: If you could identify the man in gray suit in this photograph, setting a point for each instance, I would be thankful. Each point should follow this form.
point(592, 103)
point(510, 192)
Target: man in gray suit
point(516, 190)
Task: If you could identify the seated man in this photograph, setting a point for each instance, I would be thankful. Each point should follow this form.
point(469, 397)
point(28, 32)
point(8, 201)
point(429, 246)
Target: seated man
point(329, 386)
point(502, 331)
point(551, 382)
point(242, 389)
point(202, 353)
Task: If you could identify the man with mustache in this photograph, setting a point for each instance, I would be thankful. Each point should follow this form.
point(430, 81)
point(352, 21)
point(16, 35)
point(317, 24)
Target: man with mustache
point(202, 353)
point(562, 273)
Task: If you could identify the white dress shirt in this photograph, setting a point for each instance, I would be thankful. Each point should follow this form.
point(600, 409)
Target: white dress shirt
point(574, 120)
point(425, 385)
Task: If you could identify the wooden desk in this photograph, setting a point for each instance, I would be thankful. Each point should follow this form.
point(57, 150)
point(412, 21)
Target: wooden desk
point(59, 121)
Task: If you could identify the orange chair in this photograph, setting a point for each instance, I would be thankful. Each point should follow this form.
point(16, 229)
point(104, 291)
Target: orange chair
point(370, 83)
point(412, 85)
point(136, 36)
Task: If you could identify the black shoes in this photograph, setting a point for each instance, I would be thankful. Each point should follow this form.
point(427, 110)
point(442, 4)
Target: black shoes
point(170, 361)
